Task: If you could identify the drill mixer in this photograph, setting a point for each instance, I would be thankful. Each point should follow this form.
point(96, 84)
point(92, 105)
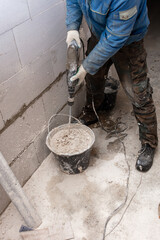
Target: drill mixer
point(72, 68)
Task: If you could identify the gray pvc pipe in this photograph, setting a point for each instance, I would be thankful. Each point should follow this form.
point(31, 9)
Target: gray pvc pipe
point(17, 196)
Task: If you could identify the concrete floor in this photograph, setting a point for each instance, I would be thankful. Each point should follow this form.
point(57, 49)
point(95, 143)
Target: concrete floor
point(87, 199)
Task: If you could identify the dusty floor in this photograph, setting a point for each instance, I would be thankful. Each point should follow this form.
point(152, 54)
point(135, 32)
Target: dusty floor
point(87, 199)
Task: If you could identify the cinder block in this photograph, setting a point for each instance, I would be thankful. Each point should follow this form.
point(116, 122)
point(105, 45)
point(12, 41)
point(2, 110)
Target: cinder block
point(25, 165)
point(14, 139)
point(55, 98)
point(35, 117)
point(16, 92)
point(12, 14)
point(22, 132)
point(42, 150)
point(42, 68)
point(9, 61)
point(36, 36)
point(31, 81)
point(59, 57)
point(39, 6)
point(1, 121)
point(4, 199)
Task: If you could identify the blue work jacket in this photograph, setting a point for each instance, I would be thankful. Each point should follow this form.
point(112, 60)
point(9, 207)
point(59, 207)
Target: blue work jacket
point(115, 23)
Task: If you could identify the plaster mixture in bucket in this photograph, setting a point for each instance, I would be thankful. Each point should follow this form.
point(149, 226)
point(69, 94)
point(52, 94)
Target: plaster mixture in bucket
point(71, 145)
point(70, 141)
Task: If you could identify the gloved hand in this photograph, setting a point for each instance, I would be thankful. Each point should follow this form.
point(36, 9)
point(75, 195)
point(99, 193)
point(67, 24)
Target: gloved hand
point(79, 75)
point(73, 34)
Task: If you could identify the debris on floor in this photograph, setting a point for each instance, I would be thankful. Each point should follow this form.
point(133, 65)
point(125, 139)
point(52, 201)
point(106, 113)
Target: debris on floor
point(59, 232)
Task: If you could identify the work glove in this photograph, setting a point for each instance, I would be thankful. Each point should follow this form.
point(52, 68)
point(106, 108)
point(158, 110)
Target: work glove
point(73, 35)
point(79, 75)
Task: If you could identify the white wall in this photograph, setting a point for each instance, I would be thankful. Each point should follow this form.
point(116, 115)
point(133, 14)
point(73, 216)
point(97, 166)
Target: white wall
point(32, 80)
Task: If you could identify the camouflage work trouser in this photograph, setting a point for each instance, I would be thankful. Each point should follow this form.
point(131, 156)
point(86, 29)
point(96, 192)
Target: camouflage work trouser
point(131, 66)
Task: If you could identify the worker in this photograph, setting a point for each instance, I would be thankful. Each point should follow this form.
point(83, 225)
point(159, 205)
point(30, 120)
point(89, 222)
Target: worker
point(117, 30)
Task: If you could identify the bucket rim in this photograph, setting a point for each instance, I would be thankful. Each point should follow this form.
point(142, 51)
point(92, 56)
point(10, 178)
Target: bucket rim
point(75, 154)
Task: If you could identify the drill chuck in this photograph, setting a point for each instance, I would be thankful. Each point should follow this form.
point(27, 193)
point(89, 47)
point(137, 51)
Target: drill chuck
point(70, 101)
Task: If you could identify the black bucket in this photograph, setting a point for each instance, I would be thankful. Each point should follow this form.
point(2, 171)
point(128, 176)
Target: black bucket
point(72, 163)
point(111, 89)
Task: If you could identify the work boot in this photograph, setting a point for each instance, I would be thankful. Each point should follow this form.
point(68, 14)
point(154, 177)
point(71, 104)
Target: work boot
point(87, 116)
point(102, 101)
point(145, 158)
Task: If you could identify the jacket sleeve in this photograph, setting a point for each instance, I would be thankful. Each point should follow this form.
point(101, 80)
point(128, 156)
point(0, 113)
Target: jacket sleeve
point(74, 15)
point(119, 25)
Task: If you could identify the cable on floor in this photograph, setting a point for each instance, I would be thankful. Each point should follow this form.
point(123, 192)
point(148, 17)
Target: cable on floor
point(121, 206)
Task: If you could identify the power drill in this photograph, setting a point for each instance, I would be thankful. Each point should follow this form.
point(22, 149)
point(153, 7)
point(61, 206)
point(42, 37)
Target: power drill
point(72, 68)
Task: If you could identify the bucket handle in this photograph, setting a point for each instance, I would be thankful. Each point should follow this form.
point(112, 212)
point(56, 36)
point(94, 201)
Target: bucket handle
point(60, 115)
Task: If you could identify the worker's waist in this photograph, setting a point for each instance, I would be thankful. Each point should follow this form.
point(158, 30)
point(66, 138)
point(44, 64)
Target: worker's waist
point(135, 37)
point(132, 38)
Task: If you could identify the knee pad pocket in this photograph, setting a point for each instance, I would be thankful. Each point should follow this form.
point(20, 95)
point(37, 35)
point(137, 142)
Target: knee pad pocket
point(142, 93)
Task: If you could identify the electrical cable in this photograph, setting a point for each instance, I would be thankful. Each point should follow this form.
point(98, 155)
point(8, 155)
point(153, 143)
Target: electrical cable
point(128, 178)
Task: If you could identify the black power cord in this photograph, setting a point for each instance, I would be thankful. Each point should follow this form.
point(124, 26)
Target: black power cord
point(121, 206)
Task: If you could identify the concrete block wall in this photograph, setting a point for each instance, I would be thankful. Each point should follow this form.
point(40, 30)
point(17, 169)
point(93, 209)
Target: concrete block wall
point(32, 81)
